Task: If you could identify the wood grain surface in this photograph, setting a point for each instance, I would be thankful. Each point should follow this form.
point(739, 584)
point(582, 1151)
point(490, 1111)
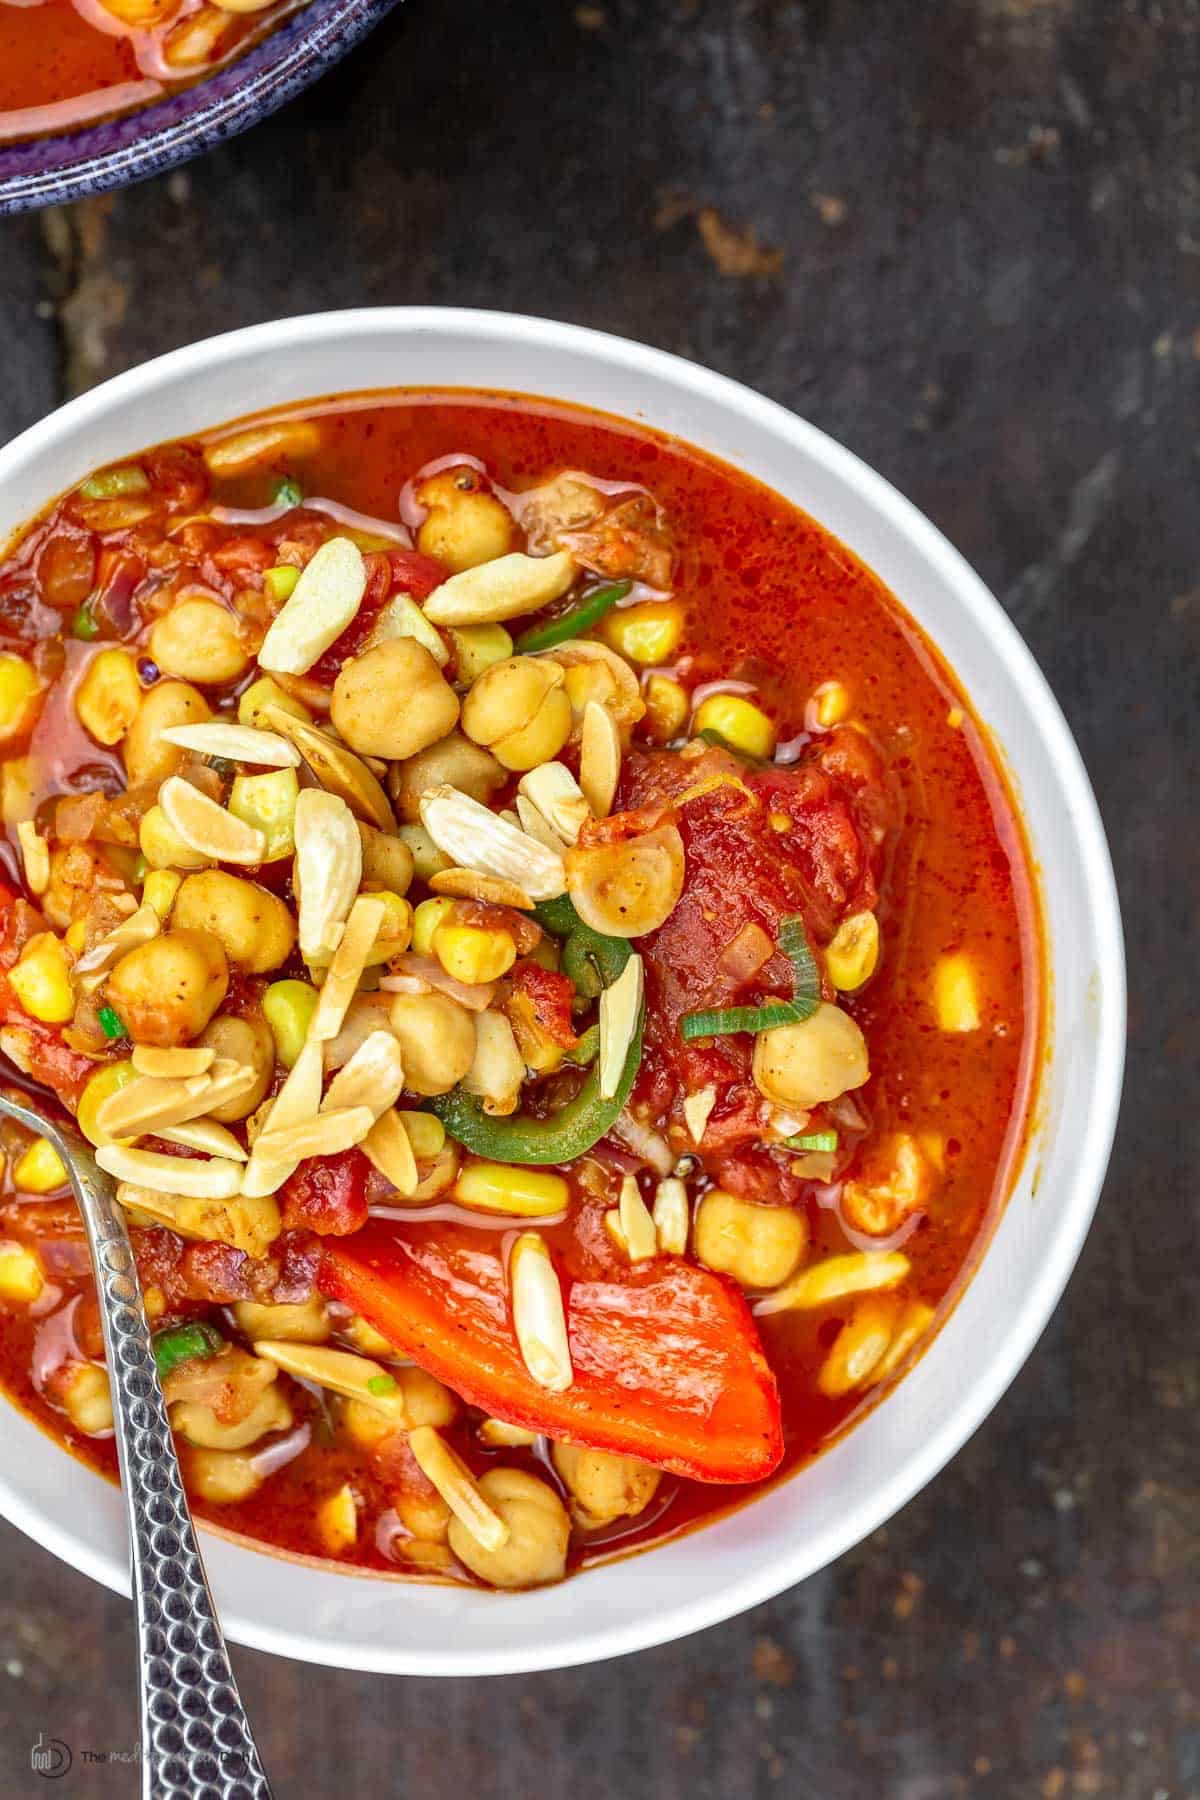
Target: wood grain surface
point(964, 237)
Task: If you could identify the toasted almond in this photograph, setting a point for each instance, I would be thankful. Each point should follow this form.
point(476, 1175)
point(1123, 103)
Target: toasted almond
point(373, 1077)
point(620, 1013)
point(672, 1216)
point(530, 820)
point(229, 1080)
point(328, 870)
point(823, 1282)
point(297, 1102)
point(341, 1372)
point(504, 588)
point(214, 1179)
point(696, 1108)
point(468, 884)
point(389, 1149)
point(148, 1059)
point(151, 1101)
point(248, 1225)
point(326, 1135)
point(345, 971)
point(476, 838)
point(497, 1434)
point(402, 617)
point(914, 1322)
point(35, 854)
point(91, 968)
point(253, 445)
point(237, 743)
point(206, 1135)
point(599, 758)
point(338, 770)
point(637, 1225)
point(539, 1319)
point(554, 792)
point(208, 828)
point(322, 604)
point(458, 1487)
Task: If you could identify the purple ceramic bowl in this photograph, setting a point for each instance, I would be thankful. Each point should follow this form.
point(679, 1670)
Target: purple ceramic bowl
point(47, 171)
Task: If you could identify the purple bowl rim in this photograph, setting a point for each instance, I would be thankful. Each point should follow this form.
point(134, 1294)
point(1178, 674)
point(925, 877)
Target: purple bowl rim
point(49, 171)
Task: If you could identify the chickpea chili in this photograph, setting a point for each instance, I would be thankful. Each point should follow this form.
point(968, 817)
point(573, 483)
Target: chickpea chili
point(539, 940)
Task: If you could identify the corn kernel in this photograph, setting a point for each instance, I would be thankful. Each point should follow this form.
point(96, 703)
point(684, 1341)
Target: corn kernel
point(955, 997)
point(40, 1170)
point(337, 1520)
point(279, 583)
point(19, 687)
point(647, 633)
point(503, 1188)
point(107, 1080)
point(159, 890)
point(853, 952)
point(75, 936)
point(155, 1302)
point(429, 917)
point(743, 726)
point(41, 980)
point(473, 953)
point(266, 692)
point(666, 706)
point(88, 1401)
point(21, 1278)
point(831, 704)
point(396, 931)
point(268, 802)
point(426, 1134)
point(288, 1007)
point(109, 696)
point(476, 648)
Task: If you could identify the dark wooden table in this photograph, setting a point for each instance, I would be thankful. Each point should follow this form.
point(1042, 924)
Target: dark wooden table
point(964, 238)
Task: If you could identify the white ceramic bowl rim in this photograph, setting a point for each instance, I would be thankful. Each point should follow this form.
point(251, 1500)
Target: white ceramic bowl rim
point(332, 1618)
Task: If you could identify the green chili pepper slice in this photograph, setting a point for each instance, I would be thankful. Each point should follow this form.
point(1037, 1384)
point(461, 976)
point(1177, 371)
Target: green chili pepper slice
point(179, 1343)
point(83, 624)
point(589, 958)
point(573, 624)
point(110, 1022)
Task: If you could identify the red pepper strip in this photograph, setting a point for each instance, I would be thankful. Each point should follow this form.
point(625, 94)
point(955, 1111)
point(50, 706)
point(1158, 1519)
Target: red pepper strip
point(668, 1365)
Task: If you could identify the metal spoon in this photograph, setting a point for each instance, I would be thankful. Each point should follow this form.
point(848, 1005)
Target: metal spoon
point(195, 1737)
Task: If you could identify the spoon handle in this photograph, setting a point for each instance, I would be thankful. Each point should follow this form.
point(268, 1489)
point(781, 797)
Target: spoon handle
point(195, 1736)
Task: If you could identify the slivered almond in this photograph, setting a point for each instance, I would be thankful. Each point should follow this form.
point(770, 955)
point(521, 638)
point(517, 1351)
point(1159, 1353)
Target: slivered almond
point(176, 1064)
point(458, 1487)
point(208, 828)
point(497, 1434)
point(672, 1216)
point(228, 1080)
point(215, 1179)
point(504, 588)
point(637, 1225)
point(696, 1108)
point(150, 1101)
point(530, 820)
point(467, 884)
point(554, 793)
point(91, 968)
point(539, 1319)
point(599, 758)
point(478, 839)
point(345, 971)
point(326, 1135)
point(620, 1010)
point(389, 1149)
point(374, 1077)
point(328, 870)
point(35, 854)
point(322, 603)
point(237, 743)
point(341, 1371)
point(338, 770)
point(297, 1102)
point(206, 1135)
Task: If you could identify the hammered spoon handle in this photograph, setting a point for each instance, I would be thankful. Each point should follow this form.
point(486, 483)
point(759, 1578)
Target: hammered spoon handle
point(196, 1741)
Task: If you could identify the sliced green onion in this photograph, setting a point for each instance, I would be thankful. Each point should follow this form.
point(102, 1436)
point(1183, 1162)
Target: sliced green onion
point(288, 492)
point(83, 625)
point(279, 583)
point(813, 1140)
point(110, 1023)
point(806, 995)
point(573, 624)
point(179, 1343)
point(128, 479)
point(382, 1384)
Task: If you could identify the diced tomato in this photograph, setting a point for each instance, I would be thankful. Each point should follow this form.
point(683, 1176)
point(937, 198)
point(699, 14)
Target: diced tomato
point(327, 1195)
point(550, 995)
point(414, 574)
point(667, 1362)
point(193, 1276)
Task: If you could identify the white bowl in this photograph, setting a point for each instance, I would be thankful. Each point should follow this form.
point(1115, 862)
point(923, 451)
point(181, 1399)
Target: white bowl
point(368, 1623)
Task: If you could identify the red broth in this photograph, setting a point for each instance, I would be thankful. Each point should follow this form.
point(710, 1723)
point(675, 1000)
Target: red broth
point(771, 601)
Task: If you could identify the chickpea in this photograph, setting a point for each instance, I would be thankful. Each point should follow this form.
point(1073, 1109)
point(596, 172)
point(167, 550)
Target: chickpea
point(255, 929)
point(109, 697)
point(437, 1041)
point(424, 1515)
point(760, 1246)
point(818, 1059)
point(452, 762)
point(199, 640)
point(88, 1400)
point(223, 1477)
point(365, 1425)
point(167, 703)
point(520, 710)
point(627, 889)
point(393, 701)
point(166, 991)
point(604, 1487)
point(426, 1401)
point(465, 525)
point(247, 1041)
point(539, 1532)
point(386, 859)
point(301, 1322)
point(898, 1180)
point(201, 1426)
